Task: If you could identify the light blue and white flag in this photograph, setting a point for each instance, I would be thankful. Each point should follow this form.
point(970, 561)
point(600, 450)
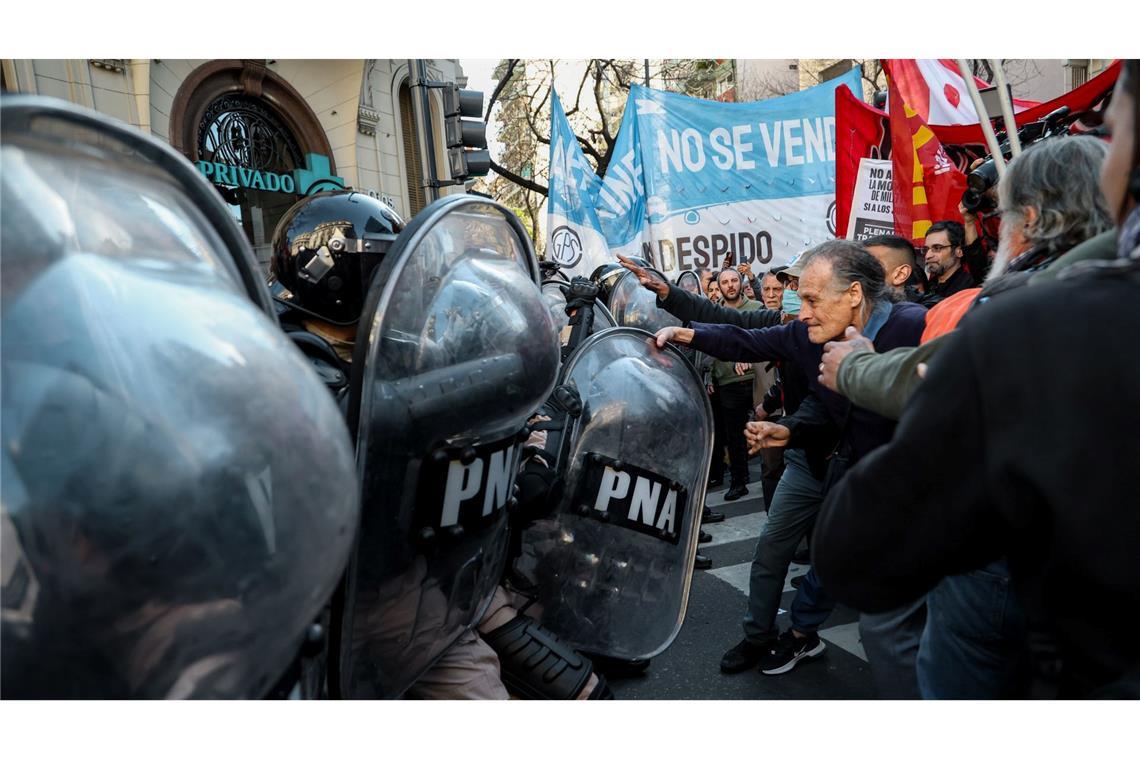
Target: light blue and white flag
point(575, 239)
point(692, 180)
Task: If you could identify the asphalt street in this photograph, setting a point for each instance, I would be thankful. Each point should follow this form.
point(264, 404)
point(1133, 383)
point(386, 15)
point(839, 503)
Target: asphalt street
point(690, 668)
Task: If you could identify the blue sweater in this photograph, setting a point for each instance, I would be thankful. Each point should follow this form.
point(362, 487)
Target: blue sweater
point(862, 429)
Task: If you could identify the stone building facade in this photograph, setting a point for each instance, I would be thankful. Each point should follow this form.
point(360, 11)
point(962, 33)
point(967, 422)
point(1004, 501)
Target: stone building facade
point(267, 132)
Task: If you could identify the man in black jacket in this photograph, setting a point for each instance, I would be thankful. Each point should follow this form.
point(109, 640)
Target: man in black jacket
point(942, 252)
point(991, 402)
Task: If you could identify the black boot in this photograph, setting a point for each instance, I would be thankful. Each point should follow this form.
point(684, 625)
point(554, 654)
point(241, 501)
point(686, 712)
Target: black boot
point(736, 492)
point(709, 516)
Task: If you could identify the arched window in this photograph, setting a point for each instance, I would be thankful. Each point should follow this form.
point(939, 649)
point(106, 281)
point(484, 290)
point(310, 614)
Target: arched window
point(252, 135)
point(240, 131)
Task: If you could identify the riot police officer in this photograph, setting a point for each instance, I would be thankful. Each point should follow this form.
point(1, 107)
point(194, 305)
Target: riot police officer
point(452, 349)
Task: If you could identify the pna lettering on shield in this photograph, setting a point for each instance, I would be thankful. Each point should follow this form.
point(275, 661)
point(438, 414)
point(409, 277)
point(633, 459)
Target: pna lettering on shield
point(645, 506)
point(489, 477)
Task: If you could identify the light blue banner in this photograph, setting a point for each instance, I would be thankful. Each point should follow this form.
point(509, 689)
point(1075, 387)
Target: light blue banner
point(686, 170)
point(575, 239)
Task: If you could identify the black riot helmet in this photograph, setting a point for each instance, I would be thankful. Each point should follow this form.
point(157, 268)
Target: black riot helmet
point(173, 514)
point(604, 277)
point(325, 249)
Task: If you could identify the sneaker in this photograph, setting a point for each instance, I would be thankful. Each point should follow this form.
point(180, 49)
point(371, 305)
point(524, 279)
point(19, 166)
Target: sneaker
point(744, 655)
point(711, 516)
point(704, 537)
point(787, 651)
point(702, 562)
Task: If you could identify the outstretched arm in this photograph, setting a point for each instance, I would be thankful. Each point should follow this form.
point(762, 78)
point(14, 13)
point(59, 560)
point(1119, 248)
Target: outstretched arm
point(732, 343)
point(690, 307)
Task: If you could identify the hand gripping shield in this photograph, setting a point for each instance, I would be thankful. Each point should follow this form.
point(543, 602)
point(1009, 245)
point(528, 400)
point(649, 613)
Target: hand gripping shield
point(173, 500)
point(556, 302)
point(612, 565)
point(457, 349)
point(635, 306)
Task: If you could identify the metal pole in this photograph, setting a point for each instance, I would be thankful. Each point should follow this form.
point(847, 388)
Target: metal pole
point(983, 116)
point(417, 70)
point(646, 72)
point(1006, 109)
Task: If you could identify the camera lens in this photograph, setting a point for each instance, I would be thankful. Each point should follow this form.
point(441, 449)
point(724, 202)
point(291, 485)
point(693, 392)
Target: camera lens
point(971, 200)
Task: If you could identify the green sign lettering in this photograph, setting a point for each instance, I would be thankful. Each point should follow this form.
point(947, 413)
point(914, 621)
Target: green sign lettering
point(314, 177)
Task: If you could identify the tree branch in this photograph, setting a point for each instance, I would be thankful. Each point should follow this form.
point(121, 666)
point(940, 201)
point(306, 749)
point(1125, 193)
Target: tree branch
point(511, 63)
point(519, 180)
point(578, 97)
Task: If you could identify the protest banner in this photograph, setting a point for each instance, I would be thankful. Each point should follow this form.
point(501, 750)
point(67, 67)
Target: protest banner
point(693, 180)
point(871, 203)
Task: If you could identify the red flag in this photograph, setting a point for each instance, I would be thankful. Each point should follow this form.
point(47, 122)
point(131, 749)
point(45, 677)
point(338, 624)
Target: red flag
point(927, 185)
point(1078, 100)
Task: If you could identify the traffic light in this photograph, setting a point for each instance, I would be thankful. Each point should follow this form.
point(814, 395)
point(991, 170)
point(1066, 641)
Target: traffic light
point(466, 137)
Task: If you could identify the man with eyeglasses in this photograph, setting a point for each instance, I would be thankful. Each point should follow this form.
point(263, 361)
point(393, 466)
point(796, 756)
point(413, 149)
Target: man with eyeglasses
point(942, 252)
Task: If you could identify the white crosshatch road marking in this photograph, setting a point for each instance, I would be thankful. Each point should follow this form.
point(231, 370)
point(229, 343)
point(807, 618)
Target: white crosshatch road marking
point(747, 528)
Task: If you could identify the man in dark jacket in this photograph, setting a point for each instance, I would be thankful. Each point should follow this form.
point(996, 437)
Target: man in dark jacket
point(841, 285)
point(942, 252)
point(992, 402)
point(791, 507)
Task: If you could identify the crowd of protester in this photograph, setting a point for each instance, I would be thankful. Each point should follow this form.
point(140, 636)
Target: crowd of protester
point(954, 426)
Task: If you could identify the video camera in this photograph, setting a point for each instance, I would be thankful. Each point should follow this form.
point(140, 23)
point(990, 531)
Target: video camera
point(977, 198)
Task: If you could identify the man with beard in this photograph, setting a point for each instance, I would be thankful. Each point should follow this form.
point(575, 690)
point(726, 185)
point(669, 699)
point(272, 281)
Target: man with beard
point(732, 396)
point(942, 250)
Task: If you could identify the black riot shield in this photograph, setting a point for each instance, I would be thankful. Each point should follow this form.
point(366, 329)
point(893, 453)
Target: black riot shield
point(457, 349)
point(635, 306)
point(612, 564)
point(176, 488)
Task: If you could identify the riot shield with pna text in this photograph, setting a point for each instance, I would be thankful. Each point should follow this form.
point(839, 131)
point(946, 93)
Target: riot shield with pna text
point(612, 564)
point(456, 351)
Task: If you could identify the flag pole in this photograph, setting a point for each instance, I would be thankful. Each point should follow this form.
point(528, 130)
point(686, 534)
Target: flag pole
point(983, 116)
point(1006, 108)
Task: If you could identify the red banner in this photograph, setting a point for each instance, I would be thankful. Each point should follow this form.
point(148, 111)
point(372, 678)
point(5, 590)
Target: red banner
point(861, 131)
